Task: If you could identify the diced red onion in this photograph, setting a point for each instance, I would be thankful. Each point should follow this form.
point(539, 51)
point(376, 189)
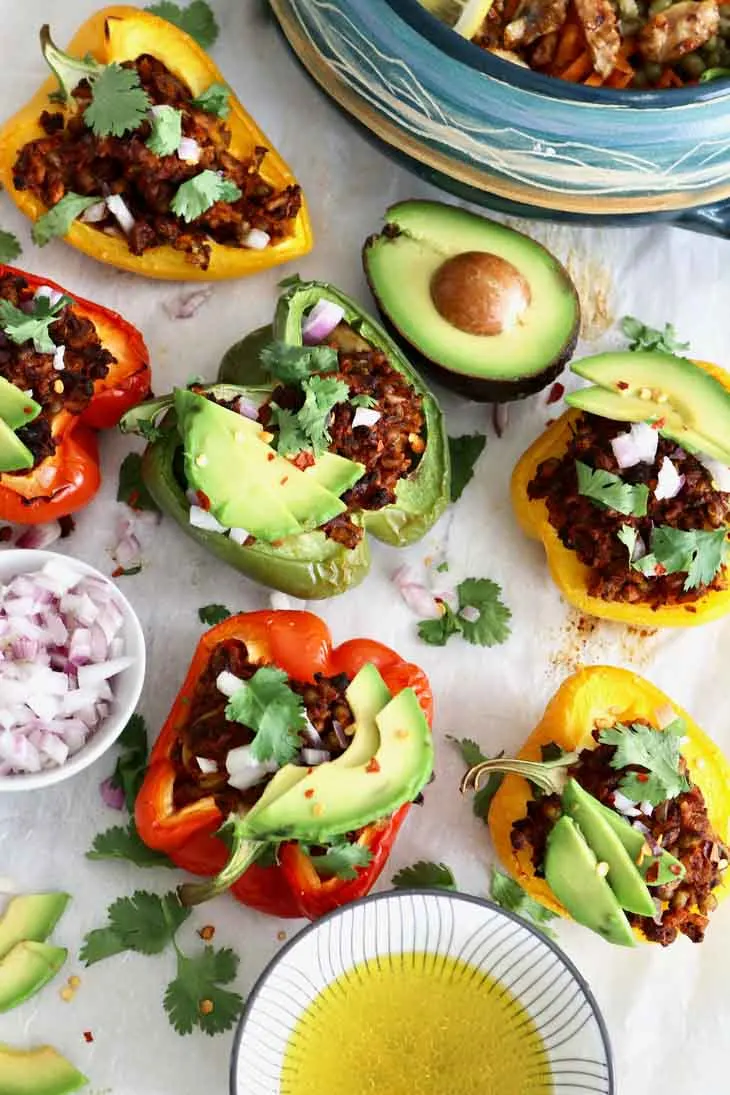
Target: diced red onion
point(39, 536)
point(188, 150)
point(500, 418)
point(312, 757)
point(638, 446)
point(187, 304)
point(228, 683)
point(59, 355)
point(419, 599)
point(247, 408)
point(646, 808)
point(207, 766)
point(244, 770)
point(720, 472)
point(238, 535)
point(52, 295)
point(256, 240)
point(669, 481)
point(311, 735)
point(119, 209)
point(641, 827)
point(365, 416)
point(639, 549)
point(342, 739)
point(204, 519)
point(90, 675)
point(111, 796)
point(321, 321)
point(94, 213)
point(624, 805)
point(470, 613)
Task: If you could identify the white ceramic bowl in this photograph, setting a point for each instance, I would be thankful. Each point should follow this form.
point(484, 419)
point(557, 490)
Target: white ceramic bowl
point(126, 687)
point(524, 961)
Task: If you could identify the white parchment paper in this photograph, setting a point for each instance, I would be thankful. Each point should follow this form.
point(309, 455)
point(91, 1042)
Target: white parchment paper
point(667, 1011)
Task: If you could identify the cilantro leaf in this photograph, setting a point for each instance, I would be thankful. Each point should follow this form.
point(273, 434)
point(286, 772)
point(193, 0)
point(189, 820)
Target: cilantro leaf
point(164, 140)
point(199, 194)
point(98, 944)
point(118, 104)
point(628, 536)
point(442, 567)
point(195, 998)
point(144, 922)
point(132, 488)
point(698, 552)
point(129, 771)
point(642, 337)
point(268, 705)
point(509, 895)
point(58, 219)
point(214, 100)
point(608, 490)
point(363, 400)
point(437, 632)
point(425, 876)
point(126, 843)
point(658, 751)
point(292, 364)
point(197, 20)
point(464, 453)
point(491, 626)
point(472, 755)
point(291, 438)
point(21, 327)
point(9, 247)
point(340, 860)
point(213, 614)
point(322, 394)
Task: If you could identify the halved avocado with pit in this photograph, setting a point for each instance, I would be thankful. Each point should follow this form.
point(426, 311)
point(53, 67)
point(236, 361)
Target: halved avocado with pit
point(485, 308)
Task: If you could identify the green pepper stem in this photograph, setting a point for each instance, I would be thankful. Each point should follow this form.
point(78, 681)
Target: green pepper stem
point(243, 853)
point(69, 71)
point(550, 776)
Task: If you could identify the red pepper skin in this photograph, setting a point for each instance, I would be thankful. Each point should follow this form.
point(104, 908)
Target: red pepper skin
point(68, 480)
point(300, 644)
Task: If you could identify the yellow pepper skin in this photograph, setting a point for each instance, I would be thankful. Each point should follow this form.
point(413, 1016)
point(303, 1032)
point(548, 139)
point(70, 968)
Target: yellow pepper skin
point(122, 33)
point(600, 692)
point(569, 574)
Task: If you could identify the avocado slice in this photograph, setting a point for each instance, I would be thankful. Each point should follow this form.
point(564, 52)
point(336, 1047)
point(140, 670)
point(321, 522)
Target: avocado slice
point(16, 408)
point(333, 799)
point(249, 485)
point(41, 1071)
point(669, 869)
point(490, 310)
point(367, 695)
point(623, 875)
point(26, 969)
point(571, 873)
point(14, 455)
point(30, 917)
point(671, 388)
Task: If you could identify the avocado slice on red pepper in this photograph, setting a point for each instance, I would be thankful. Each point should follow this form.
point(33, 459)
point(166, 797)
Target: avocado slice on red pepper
point(309, 566)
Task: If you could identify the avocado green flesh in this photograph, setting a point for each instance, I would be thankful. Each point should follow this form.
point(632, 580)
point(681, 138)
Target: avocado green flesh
point(16, 408)
point(694, 398)
point(400, 269)
point(367, 695)
point(571, 873)
point(26, 969)
point(41, 1071)
point(14, 455)
point(30, 917)
point(333, 799)
point(335, 473)
point(622, 408)
point(633, 841)
point(623, 875)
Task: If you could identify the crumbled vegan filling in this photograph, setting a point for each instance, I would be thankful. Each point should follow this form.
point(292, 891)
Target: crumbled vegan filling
point(71, 158)
point(69, 389)
point(680, 825)
point(208, 733)
point(592, 532)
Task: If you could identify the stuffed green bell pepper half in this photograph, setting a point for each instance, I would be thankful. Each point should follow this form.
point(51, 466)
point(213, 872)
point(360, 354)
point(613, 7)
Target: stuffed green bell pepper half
point(317, 433)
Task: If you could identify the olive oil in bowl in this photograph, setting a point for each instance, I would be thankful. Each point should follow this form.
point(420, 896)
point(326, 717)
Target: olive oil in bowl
point(415, 1024)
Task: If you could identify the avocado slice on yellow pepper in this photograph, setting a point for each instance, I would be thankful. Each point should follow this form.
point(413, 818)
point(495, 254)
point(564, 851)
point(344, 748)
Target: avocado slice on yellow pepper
point(121, 33)
point(571, 576)
point(589, 696)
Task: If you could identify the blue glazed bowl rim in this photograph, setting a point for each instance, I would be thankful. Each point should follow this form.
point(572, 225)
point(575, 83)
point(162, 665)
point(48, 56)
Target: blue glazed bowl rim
point(433, 30)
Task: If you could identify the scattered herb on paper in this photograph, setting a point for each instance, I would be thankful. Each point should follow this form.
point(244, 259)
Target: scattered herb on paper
point(608, 490)
point(656, 750)
point(132, 488)
point(508, 894)
point(425, 876)
point(9, 246)
point(482, 618)
point(197, 20)
point(464, 453)
point(267, 705)
point(642, 337)
point(213, 614)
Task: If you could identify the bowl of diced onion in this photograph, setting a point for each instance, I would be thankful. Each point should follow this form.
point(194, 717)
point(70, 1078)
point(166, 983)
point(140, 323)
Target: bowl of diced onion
point(72, 666)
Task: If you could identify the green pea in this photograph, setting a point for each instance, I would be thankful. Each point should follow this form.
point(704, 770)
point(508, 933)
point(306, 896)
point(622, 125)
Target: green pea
point(692, 64)
point(653, 72)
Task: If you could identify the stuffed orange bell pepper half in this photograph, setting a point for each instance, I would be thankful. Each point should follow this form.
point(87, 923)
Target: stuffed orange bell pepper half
point(287, 766)
point(616, 811)
point(629, 490)
point(139, 154)
point(67, 369)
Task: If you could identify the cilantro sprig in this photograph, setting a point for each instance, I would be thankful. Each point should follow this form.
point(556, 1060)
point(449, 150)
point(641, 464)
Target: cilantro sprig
point(642, 337)
point(464, 453)
point(481, 618)
point(656, 751)
point(267, 705)
point(119, 103)
point(425, 876)
point(215, 100)
point(32, 326)
point(213, 614)
point(199, 194)
point(166, 123)
point(57, 220)
point(197, 20)
point(9, 246)
point(294, 364)
point(610, 492)
point(699, 553)
point(508, 894)
point(132, 488)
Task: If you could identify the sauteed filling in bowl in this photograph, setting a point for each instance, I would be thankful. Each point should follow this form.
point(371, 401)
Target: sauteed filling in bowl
point(611, 43)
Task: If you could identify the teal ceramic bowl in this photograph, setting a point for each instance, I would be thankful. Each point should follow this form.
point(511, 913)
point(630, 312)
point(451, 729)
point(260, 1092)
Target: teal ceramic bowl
point(510, 139)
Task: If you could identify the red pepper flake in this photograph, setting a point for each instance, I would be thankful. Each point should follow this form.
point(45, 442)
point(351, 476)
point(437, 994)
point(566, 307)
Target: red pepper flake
point(373, 765)
point(27, 410)
point(271, 456)
point(133, 498)
point(207, 932)
point(653, 873)
point(6, 533)
point(556, 392)
point(642, 777)
point(690, 608)
point(309, 771)
point(659, 424)
point(303, 460)
point(622, 385)
point(309, 793)
point(675, 868)
point(88, 1036)
point(660, 569)
point(284, 481)
point(118, 572)
point(203, 500)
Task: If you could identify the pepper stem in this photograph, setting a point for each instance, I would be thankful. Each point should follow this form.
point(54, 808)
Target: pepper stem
point(550, 775)
point(243, 854)
point(69, 71)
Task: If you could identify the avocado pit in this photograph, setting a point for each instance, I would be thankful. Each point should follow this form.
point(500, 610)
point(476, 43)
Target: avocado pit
point(480, 293)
